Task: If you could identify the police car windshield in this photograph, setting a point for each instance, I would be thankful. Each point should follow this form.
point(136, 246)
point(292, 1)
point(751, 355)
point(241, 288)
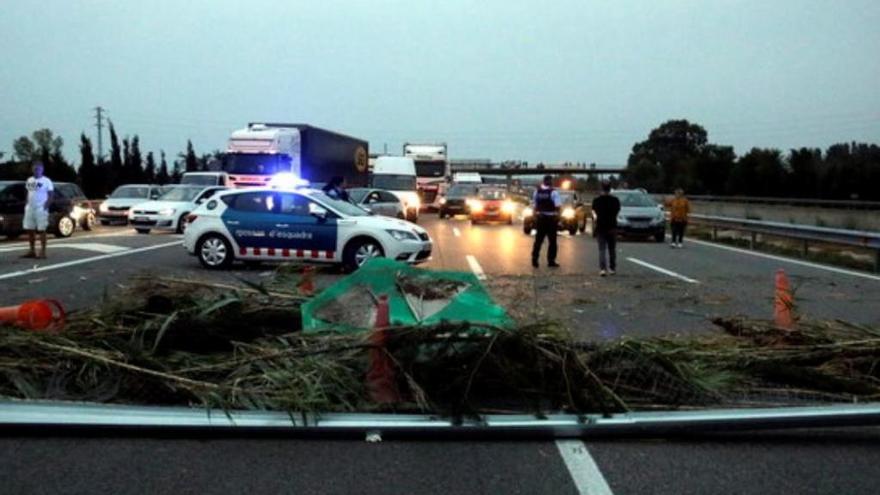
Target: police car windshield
point(343, 207)
point(181, 194)
point(635, 199)
point(131, 192)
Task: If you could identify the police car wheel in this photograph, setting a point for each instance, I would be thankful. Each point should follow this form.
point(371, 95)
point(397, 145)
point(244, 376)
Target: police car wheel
point(361, 251)
point(65, 227)
point(214, 252)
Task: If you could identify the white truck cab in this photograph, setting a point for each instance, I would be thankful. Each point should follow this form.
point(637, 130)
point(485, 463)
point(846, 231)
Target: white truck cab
point(397, 174)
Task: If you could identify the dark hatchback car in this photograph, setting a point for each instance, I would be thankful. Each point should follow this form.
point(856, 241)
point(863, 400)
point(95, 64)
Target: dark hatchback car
point(456, 200)
point(69, 209)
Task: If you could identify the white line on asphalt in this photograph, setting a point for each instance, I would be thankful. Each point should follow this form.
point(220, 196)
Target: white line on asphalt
point(85, 260)
point(663, 270)
point(476, 268)
point(85, 246)
point(127, 233)
point(582, 468)
point(843, 271)
point(456, 232)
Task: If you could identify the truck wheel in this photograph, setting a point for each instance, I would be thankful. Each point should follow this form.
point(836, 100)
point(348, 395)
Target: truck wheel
point(214, 252)
point(65, 227)
point(527, 228)
point(441, 215)
point(143, 231)
point(359, 252)
point(572, 230)
point(583, 226)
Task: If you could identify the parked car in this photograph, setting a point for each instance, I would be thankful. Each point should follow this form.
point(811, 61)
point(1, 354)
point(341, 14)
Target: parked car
point(115, 208)
point(491, 205)
point(455, 202)
point(640, 215)
point(378, 201)
point(264, 224)
point(69, 209)
point(205, 179)
point(169, 212)
point(572, 214)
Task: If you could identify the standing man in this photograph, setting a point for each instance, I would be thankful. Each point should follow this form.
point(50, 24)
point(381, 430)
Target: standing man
point(336, 188)
point(605, 210)
point(546, 203)
point(36, 211)
point(679, 209)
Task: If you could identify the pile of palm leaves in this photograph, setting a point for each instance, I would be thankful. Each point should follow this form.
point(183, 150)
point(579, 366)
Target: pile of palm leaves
point(185, 343)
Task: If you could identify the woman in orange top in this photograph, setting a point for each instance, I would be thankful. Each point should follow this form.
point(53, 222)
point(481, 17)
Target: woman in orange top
point(679, 208)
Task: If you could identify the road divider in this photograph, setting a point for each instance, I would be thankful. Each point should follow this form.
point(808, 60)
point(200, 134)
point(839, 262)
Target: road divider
point(475, 267)
point(662, 270)
point(40, 269)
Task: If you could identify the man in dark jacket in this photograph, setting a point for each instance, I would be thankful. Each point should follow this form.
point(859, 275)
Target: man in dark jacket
point(336, 188)
point(605, 210)
point(546, 203)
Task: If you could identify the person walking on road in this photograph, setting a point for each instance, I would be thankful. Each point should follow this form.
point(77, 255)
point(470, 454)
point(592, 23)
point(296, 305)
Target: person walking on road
point(546, 203)
point(679, 209)
point(605, 210)
point(36, 211)
point(336, 188)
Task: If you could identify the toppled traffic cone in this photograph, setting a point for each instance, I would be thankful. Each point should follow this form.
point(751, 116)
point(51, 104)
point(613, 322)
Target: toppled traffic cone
point(381, 383)
point(784, 302)
point(38, 314)
point(306, 284)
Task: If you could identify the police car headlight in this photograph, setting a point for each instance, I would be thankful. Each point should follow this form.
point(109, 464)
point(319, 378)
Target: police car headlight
point(167, 212)
point(103, 208)
point(568, 213)
point(402, 235)
point(507, 207)
point(528, 211)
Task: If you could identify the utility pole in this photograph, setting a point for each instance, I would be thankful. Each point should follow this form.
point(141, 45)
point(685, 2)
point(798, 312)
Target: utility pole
point(99, 116)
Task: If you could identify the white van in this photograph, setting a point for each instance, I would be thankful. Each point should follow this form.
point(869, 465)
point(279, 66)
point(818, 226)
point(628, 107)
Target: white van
point(397, 175)
point(205, 179)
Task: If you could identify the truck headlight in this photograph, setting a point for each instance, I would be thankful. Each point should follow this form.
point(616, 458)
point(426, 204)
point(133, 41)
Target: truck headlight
point(568, 213)
point(507, 207)
point(528, 211)
point(443, 201)
point(402, 235)
point(167, 212)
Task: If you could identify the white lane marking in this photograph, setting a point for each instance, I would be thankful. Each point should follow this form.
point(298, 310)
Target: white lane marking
point(127, 233)
point(582, 468)
point(809, 264)
point(456, 232)
point(93, 246)
point(46, 268)
point(476, 268)
point(663, 270)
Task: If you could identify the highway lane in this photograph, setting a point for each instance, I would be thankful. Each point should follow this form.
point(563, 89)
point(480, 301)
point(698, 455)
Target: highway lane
point(640, 300)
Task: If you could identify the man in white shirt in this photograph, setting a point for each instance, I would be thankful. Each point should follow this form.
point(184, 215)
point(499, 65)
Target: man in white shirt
point(36, 212)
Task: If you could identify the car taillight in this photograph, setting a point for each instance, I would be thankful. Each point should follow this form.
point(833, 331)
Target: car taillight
point(191, 218)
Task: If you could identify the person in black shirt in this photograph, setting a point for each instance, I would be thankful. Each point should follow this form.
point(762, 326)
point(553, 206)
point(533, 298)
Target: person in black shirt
point(336, 188)
point(605, 210)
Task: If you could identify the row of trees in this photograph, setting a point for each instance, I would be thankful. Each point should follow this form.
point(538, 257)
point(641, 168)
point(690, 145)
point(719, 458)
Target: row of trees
point(126, 163)
point(679, 154)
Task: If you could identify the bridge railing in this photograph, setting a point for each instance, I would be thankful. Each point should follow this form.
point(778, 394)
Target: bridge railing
point(806, 233)
point(819, 203)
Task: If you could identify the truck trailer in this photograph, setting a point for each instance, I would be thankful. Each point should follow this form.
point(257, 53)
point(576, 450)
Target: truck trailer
point(262, 150)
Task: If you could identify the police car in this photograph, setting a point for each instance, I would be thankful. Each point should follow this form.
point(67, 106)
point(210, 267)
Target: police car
point(267, 224)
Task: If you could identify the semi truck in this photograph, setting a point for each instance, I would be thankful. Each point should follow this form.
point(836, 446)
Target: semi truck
point(263, 150)
point(432, 171)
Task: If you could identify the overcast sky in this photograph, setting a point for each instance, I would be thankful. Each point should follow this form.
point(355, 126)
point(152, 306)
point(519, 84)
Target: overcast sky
point(500, 79)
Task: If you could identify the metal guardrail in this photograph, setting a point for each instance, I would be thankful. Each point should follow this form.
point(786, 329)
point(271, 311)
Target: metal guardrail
point(804, 233)
point(32, 414)
point(819, 203)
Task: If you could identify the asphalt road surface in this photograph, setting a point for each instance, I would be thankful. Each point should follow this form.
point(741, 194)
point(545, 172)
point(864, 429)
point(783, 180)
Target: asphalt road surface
point(657, 290)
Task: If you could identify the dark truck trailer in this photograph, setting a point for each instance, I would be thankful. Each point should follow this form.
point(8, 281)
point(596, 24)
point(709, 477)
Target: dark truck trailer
point(325, 154)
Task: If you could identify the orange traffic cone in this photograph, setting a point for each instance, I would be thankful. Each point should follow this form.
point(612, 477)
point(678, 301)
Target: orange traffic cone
point(38, 314)
point(784, 303)
point(381, 383)
point(306, 284)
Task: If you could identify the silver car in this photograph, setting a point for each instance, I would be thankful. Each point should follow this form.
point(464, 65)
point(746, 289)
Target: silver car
point(378, 201)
